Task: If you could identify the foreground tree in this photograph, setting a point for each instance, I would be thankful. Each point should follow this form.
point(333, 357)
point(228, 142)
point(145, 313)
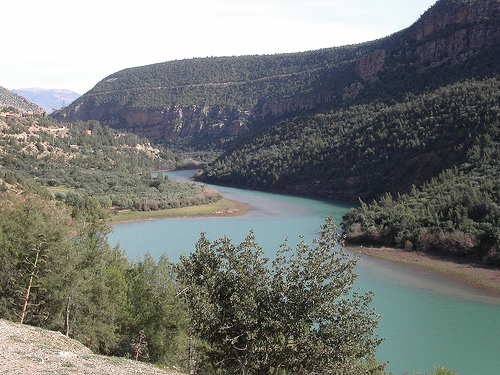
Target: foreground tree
point(298, 315)
point(153, 309)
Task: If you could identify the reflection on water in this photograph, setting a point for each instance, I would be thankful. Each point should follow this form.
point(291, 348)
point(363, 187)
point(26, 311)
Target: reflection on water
point(426, 319)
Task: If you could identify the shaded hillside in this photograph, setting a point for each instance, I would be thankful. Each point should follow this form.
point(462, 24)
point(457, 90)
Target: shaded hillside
point(18, 102)
point(367, 149)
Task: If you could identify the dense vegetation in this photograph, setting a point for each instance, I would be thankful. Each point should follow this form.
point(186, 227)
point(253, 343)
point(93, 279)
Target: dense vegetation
point(456, 213)
point(378, 147)
point(298, 316)
point(86, 159)
point(240, 82)
point(107, 297)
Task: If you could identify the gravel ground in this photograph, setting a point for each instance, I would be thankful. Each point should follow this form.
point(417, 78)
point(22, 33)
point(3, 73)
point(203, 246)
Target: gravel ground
point(29, 350)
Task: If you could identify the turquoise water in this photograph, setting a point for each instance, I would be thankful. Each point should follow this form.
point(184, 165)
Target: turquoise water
point(426, 319)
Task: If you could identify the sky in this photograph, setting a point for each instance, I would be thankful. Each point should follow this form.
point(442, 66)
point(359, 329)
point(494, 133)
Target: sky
point(61, 44)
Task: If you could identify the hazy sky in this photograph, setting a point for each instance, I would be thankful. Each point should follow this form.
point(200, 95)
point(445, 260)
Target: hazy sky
point(74, 44)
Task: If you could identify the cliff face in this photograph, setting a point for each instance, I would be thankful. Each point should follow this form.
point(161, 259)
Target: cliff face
point(369, 65)
point(438, 19)
point(445, 34)
point(296, 104)
point(173, 122)
point(452, 34)
point(176, 121)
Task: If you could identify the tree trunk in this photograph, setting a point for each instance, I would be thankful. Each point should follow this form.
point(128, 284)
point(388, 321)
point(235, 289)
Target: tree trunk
point(66, 320)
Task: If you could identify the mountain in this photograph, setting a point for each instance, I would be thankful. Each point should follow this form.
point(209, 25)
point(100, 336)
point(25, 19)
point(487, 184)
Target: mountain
point(48, 99)
point(345, 122)
point(19, 103)
point(212, 101)
point(419, 101)
point(419, 143)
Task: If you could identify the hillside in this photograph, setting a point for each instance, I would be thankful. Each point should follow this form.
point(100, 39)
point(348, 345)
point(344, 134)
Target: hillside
point(28, 350)
point(365, 150)
point(410, 119)
point(86, 159)
point(213, 101)
point(18, 102)
point(209, 102)
point(48, 99)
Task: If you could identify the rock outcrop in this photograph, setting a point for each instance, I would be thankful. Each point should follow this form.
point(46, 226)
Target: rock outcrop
point(369, 65)
point(452, 34)
point(296, 104)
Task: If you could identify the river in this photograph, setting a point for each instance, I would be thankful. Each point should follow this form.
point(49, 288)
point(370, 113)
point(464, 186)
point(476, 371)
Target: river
point(426, 319)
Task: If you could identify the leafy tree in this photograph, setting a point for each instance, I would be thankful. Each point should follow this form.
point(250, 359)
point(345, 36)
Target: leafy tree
point(98, 289)
point(22, 220)
point(298, 315)
point(153, 309)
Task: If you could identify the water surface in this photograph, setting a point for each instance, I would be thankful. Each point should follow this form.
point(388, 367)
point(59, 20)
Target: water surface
point(426, 319)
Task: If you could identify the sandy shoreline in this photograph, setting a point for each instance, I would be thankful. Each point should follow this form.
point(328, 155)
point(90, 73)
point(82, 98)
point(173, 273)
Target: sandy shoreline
point(474, 274)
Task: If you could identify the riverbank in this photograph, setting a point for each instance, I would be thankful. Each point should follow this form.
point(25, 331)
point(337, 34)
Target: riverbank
point(222, 208)
point(472, 273)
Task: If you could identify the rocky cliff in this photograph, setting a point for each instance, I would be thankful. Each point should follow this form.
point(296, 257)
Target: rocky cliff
point(448, 33)
point(167, 123)
point(456, 32)
point(230, 104)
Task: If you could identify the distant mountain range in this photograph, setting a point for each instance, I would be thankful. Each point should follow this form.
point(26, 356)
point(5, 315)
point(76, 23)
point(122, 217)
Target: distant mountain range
point(18, 102)
point(48, 99)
